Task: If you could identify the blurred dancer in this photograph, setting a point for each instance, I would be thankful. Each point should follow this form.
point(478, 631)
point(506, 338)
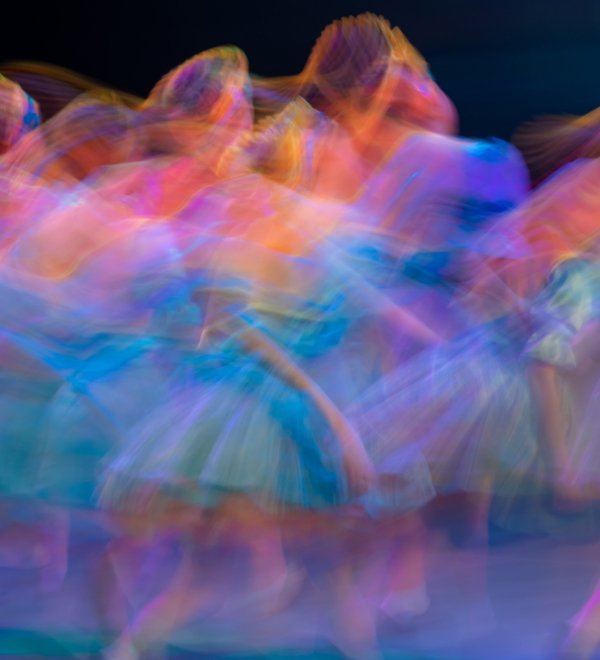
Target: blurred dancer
point(95, 254)
point(557, 274)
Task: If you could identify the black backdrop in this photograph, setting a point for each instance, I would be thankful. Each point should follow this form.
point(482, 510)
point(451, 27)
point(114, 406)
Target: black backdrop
point(501, 61)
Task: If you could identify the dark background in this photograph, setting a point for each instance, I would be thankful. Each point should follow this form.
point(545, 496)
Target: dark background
point(501, 61)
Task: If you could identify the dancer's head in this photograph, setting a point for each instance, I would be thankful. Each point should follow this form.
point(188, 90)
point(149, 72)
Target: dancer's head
point(212, 87)
point(18, 114)
point(363, 63)
point(87, 134)
point(202, 106)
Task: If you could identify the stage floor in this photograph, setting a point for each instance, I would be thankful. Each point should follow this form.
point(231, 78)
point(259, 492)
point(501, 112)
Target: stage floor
point(535, 585)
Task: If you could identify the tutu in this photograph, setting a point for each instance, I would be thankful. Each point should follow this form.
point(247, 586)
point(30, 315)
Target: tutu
point(235, 426)
point(465, 406)
point(27, 387)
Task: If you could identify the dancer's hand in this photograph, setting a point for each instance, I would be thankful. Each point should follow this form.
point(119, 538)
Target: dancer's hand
point(356, 462)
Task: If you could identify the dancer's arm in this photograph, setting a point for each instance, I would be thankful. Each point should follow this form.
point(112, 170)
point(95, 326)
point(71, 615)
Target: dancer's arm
point(356, 462)
point(379, 303)
point(544, 380)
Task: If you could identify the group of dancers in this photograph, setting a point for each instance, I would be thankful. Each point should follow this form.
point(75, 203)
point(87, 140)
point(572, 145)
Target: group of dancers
point(272, 313)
